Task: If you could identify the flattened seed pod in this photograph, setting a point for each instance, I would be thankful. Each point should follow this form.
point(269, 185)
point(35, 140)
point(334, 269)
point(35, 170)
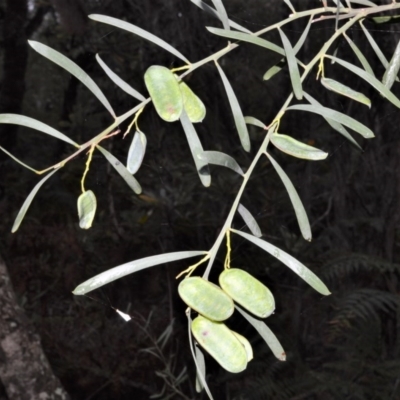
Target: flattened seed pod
point(206, 298)
point(164, 92)
point(221, 343)
point(248, 292)
point(194, 107)
point(87, 205)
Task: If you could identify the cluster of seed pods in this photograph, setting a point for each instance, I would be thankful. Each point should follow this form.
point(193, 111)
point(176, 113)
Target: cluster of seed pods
point(215, 304)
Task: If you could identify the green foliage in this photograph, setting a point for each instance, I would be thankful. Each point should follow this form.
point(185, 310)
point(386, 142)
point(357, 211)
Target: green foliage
point(174, 101)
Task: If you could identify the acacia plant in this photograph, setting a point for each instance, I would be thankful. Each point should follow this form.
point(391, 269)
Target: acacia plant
point(174, 101)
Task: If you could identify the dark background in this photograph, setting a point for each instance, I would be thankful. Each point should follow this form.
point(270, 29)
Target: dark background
point(345, 346)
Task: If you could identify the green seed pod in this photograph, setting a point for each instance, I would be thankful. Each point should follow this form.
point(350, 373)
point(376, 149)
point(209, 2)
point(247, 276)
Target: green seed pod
point(164, 92)
point(206, 298)
point(246, 344)
point(192, 104)
point(248, 292)
point(87, 205)
point(221, 343)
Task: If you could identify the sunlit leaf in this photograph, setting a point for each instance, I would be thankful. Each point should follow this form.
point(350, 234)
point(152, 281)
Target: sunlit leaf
point(339, 88)
point(87, 205)
point(197, 150)
point(236, 110)
point(254, 121)
point(249, 220)
point(165, 92)
point(138, 31)
point(293, 67)
point(22, 120)
point(336, 116)
point(205, 7)
point(120, 168)
point(360, 56)
point(74, 70)
point(221, 12)
point(131, 267)
point(380, 87)
point(245, 37)
point(118, 81)
point(393, 68)
point(335, 125)
point(200, 361)
point(136, 152)
point(28, 201)
point(296, 266)
point(222, 159)
point(266, 333)
point(200, 372)
point(278, 66)
point(293, 147)
point(301, 214)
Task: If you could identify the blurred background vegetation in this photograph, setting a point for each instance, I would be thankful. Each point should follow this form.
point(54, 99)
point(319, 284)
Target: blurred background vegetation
point(345, 346)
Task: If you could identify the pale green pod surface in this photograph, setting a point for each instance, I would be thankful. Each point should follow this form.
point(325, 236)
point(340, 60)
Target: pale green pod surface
point(194, 107)
point(293, 147)
point(164, 92)
point(246, 344)
point(345, 91)
point(136, 152)
point(206, 298)
point(87, 205)
point(247, 291)
point(221, 343)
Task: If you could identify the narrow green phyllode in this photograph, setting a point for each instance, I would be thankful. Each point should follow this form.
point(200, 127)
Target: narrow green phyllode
point(206, 298)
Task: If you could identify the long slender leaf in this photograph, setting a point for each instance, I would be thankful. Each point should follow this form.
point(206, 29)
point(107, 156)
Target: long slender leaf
point(266, 333)
point(74, 70)
point(205, 7)
point(138, 31)
point(131, 267)
point(199, 372)
point(364, 62)
point(120, 168)
point(393, 68)
point(296, 266)
point(222, 159)
point(118, 81)
point(245, 37)
point(278, 66)
point(375, 46)
point(222, 15)
point(336, 116)
point(22, 120)
point(335, 125)
point(301, 214)
point(197, 150)
point(249, 220)
point(290, 5)
point(28, 201)
point(338, 87)
point(293, 67)
point(293, 147)
point(200, 361)
point(236, 110)
point(254, 121)
point(19, 161)
point(380, 87)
